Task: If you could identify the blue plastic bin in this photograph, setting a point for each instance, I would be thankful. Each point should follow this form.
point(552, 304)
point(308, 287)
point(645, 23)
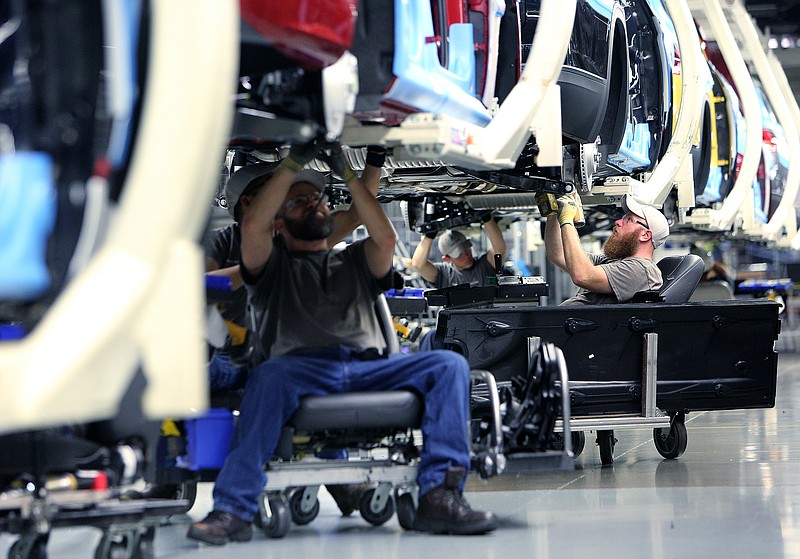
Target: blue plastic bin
point(208, 440)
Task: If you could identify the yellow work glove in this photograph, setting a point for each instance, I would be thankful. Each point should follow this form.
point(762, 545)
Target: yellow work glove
point(567, 208)
point(580, 217)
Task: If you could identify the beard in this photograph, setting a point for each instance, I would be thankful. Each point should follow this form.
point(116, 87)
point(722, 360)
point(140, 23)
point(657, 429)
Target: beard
point(309, 230)
point(621, 246)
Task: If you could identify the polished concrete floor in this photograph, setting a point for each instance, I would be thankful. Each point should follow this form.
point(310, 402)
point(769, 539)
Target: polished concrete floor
point(734, 493)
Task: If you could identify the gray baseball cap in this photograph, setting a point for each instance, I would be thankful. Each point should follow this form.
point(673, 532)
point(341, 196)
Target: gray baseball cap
point(243, 178)
point(312, 177)
point(246, 176)
point(654, 219)
point(453, 244)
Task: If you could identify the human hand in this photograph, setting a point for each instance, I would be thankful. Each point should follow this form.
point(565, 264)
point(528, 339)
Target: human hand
point(301, 153)
point(580, 217)
point(376, 155)
point(333, 156)
point(567, 208)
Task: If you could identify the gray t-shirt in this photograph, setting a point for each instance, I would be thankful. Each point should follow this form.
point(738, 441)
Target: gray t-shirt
point(627, 277)
point(476, 276)
point(314, 300)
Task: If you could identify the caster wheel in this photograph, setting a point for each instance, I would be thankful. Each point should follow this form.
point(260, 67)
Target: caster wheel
point(300, 515)
point(671, 443)
point(606, 442)
point(278, 523)
point(376, 518)
point(188, 491)
point(578, 442)
point(27, 547)
point(406, 510)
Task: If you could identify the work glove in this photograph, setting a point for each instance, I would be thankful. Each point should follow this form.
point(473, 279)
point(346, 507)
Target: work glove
point(580, 217)
point(567, 208)
point(333, 156)
point(431, 234)
point(376, 155)
point(301, 153)
point(547, 204)
point(487, 217)
point(570, 210)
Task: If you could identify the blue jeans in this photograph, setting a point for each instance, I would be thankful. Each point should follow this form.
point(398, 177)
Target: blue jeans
point(223, 374)
point(428, 341)
point(275, 387)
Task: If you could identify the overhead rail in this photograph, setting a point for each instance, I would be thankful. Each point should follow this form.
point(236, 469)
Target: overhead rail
point(534, 101)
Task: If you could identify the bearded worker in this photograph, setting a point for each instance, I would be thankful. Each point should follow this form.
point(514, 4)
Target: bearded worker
point(626, 266)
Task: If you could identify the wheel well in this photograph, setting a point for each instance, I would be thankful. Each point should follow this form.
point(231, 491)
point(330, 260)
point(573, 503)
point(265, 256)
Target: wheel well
point(702, 155)
point(613, 127)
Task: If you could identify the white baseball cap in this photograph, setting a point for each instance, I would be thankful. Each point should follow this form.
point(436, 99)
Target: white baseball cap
point(653, 218)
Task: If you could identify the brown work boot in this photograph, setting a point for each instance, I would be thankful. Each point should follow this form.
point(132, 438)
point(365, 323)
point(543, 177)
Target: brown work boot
point(444, 510)
point(219, 527)
point(347, 496)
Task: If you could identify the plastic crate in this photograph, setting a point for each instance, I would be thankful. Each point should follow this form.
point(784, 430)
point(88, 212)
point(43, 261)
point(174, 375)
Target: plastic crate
point(208, 440)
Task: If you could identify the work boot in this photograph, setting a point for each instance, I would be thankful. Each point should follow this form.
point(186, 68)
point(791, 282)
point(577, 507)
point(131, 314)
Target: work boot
point(347, 496)
point(219, 527)
point(444, 510)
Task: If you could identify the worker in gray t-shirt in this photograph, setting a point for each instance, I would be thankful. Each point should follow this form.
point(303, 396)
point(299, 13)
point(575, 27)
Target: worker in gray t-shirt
point(459, 264)
point(626, 266)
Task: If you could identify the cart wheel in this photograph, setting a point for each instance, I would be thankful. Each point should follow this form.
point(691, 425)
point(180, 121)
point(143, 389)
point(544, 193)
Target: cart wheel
point(606, 442)
point(578, 442)
point(146, 544)
point(278, 523)
point(406, 511)
point(29, 547)
point(379, 517)
point(188, 491)
point(113, 545)
point(299, 516)
point(671, 443)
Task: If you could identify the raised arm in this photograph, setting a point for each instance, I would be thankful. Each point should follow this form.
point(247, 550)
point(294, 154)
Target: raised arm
point(257, 223)
point(421, 259)
point(345, 221)
point(581, 269)
point(379, 247)
point(496, 241)
point(552, 242)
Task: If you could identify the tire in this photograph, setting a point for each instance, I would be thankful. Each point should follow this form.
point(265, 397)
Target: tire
point(23, 550)
point(299, 516)
point(187, 490)
point(406, 510)
point(671, 443)
point(277, 525)
point(578, 442)
point(606, 442)
point(375, 518)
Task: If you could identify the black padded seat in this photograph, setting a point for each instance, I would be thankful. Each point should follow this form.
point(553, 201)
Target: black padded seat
point(359, 410)
point(681, 275)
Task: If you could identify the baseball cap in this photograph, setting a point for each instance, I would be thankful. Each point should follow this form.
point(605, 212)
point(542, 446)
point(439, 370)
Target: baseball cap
point(312, 177)
point(243, 178)
point(654, 219)
point(453, 244)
